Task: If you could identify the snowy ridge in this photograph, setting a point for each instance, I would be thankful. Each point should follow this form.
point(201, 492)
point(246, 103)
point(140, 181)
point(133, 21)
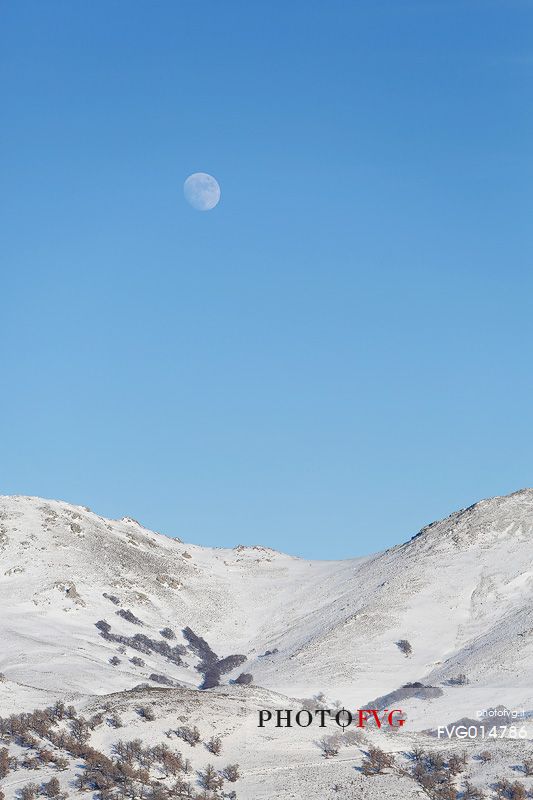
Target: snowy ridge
point(86, 602)
point(459, 592)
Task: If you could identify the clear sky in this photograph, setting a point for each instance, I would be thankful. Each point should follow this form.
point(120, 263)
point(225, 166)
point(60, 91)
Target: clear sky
point(340, 351)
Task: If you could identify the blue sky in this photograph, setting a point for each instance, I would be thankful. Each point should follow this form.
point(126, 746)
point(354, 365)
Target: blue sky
point(337, 354)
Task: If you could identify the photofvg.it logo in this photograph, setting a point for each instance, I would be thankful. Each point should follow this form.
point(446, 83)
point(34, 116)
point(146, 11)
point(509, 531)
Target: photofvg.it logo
point(501, 712)
point(343, 718)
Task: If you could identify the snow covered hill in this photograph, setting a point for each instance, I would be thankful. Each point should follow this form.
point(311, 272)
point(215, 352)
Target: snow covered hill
point(460, 592)
point(92, 609)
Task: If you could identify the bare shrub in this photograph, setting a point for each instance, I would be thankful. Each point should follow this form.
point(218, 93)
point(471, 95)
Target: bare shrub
point(210, 666)
point(4, 762)
point(129, 616)
point(329, 745)
point(58, 710)
point(115, 661)
point(502, 787)
point(513, 791)
point(230, 662)
point(211, 678)
point(472, 792)
point(29, 791)
point(213, 672)
point(146, 713)
point(244, 679)
point(103, 626)
point(209, 778)
point(518, 791)
point(405, 647)
point(527, 766)
point(172, 763)
point(376, 761)
point(168, 633)
point(231, 773)
point(458, 680)
point(52, 788)
point(214, 745)
point(143, 643)
point(189, 735)
point(269, 653)
point(139, 662)
point(417, 754)
point(162, 679)
point(435, 761)
point(455, 764)
point(181, 788)
point(79, 728)
point(199, 646)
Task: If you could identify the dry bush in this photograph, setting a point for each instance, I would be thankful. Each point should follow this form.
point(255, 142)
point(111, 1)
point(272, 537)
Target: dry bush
point(29, 791)
point(164, 680)
point(527, 766)
point(103, 626)
point(52, 788)
point(435, 761)
point(405, 647)
point(376, 761)
point(214, 745)
point(417, 754)
point(181, 789)
point(244, 679)
point(115, 721)
point(209, 778)
point(231, 773)
point(455, 764)
point(4, 762)
point(458, 680)
point(329, 745)
point(129, 616)
point(518, 791)
point(189, 735)
point(501, 787)
point(143, 643)
point(472, 792)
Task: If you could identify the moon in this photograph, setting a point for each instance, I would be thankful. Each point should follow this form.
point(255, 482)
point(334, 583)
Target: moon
point(201, 191)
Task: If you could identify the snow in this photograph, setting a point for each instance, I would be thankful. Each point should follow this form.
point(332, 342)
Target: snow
point(460, 592)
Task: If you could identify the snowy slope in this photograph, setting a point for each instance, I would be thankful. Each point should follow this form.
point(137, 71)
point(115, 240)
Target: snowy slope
point(459, 592)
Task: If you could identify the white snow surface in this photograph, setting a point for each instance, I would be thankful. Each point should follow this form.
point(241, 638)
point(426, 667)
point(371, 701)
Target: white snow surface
point(460, 592)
